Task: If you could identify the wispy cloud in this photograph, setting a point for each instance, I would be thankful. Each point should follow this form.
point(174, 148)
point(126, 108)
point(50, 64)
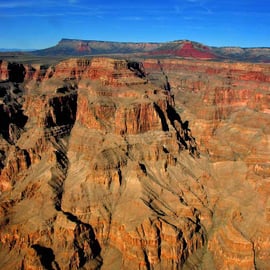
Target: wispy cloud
point(73, 1)
point(47, 8)
point(53, 12)
point(34, 14)
point(187, 10)
point(37, 4)
point(18, 4)
point(131, 18)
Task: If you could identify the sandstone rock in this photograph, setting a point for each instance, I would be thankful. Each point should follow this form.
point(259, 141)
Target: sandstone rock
point(227, 105)
point(187, 49)
point(4, 70)
point(97, 144)
point(115, 164)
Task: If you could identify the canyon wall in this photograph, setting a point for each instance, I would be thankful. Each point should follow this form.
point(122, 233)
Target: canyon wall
point(99, 172)
point(227, 105)
point(153, 164)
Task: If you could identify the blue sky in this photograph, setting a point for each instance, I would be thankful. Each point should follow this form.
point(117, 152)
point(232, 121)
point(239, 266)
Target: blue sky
point(41, 24)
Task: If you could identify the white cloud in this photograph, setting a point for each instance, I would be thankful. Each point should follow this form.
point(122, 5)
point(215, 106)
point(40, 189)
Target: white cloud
point(37, 4)
point(132, 18)
point(16, 4)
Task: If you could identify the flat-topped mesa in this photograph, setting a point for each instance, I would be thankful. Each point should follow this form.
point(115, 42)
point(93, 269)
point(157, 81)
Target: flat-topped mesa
point(109, 98)
point(109, 71)
point(116, 72)
point(113, 72)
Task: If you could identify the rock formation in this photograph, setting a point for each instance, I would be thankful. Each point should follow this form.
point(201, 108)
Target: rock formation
point(178, 48)
point(98, 173)
point(116, 164)
point(227, 105)
point(186, 49)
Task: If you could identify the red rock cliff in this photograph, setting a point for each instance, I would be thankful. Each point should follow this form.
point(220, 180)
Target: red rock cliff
point(98, 143)
point(100, 167)
point(229, 107)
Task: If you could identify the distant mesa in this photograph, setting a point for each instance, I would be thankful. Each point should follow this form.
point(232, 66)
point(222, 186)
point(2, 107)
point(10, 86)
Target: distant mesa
point(179, 48)
point(75, 47)
point(186, 49)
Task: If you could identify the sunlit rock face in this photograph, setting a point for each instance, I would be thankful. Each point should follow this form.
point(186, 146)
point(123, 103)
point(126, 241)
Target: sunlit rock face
point(98, 170)
point(227, 105)
point(153, 164)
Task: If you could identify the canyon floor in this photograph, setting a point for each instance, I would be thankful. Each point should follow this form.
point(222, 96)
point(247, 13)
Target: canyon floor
point(143, 163)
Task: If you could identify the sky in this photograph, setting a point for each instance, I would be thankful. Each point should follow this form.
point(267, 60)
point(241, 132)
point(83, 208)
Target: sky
point(32, 24)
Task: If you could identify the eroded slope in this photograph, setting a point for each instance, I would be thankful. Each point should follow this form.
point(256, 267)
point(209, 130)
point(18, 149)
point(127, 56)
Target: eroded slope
point(102, 174)
point(100, 169)
point(228, 108)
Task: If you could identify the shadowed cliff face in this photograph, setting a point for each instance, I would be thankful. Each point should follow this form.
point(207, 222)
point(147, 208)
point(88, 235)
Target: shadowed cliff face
point(100, 167)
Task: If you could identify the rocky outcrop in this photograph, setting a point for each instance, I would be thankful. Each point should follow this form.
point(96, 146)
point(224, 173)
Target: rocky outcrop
point(98, 142)
point(116, 164)
point(18, 73)
point(3, 70)
point(228, 104)
point(186, 49)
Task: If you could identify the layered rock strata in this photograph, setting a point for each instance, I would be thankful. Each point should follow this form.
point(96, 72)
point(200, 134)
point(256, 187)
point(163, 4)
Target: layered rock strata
point(228, 105)
point(102, 172)
point(99, 167)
